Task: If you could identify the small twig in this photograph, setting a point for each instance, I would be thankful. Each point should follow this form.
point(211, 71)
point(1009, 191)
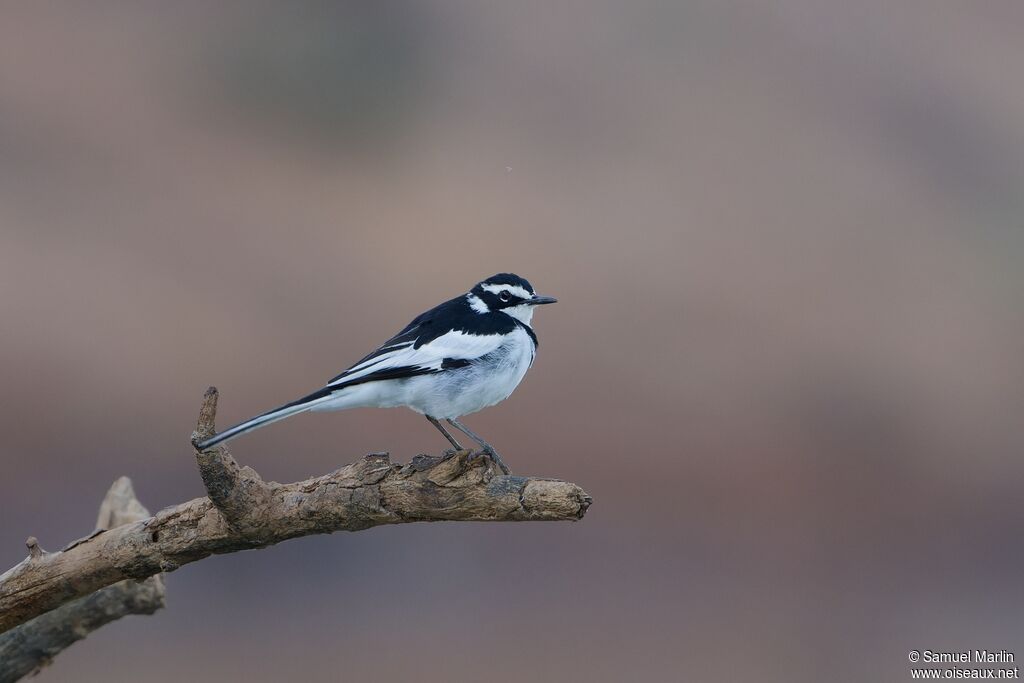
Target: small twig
point(34, 551)
point(206, 427)
point(238, 492)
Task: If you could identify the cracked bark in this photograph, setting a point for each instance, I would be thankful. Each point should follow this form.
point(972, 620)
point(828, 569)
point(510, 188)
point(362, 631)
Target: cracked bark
point(242, 511)
point(30, 647)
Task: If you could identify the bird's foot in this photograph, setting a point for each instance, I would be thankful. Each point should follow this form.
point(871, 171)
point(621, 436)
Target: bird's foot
point(493, 455)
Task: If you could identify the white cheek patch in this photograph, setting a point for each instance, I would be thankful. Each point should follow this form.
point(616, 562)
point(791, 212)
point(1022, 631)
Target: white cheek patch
point(515, 289)
point(523, 314)
point(477, 304)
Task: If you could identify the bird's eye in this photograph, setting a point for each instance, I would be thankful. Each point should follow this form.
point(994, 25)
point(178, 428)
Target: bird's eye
point(505, 295)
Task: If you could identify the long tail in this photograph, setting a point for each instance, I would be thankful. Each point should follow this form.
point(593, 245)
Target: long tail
point(294, 408)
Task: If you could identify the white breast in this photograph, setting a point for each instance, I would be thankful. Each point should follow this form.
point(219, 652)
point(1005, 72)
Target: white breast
point(487, 381)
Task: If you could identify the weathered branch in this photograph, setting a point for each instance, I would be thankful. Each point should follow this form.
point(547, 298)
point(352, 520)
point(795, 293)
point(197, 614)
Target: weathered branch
point(28, 648)
point(244, 512)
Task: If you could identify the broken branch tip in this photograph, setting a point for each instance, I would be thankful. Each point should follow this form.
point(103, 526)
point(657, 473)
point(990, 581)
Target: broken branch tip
point(34, 551)
point(206, 426)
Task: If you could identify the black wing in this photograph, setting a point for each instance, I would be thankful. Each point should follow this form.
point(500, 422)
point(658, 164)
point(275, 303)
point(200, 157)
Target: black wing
point(424, 328)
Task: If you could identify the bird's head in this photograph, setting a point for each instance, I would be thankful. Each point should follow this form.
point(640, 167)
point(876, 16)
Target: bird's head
point(508, 293)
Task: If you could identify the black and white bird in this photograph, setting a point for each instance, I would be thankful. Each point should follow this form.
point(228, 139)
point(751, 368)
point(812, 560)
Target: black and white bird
point(469, 353)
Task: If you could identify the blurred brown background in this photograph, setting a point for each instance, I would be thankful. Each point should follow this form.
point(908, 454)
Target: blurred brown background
point(788, 361)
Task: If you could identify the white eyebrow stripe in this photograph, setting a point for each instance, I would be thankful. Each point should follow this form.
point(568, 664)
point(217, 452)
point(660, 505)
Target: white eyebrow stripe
point(515, 289)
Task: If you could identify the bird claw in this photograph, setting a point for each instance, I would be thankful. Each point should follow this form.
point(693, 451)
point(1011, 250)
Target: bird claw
point(493, 455)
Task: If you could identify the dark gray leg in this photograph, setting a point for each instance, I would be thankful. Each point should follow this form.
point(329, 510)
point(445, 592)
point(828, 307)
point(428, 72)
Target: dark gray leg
point(487, 448)
point(451, 439)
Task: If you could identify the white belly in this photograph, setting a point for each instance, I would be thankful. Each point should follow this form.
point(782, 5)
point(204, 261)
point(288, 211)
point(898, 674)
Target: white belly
point(451, 393)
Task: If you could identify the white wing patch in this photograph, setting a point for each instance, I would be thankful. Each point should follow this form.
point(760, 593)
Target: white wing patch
point(455, 344)
point(477, 304)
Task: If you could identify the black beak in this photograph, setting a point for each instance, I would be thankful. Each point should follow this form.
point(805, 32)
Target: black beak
point(538, 300)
